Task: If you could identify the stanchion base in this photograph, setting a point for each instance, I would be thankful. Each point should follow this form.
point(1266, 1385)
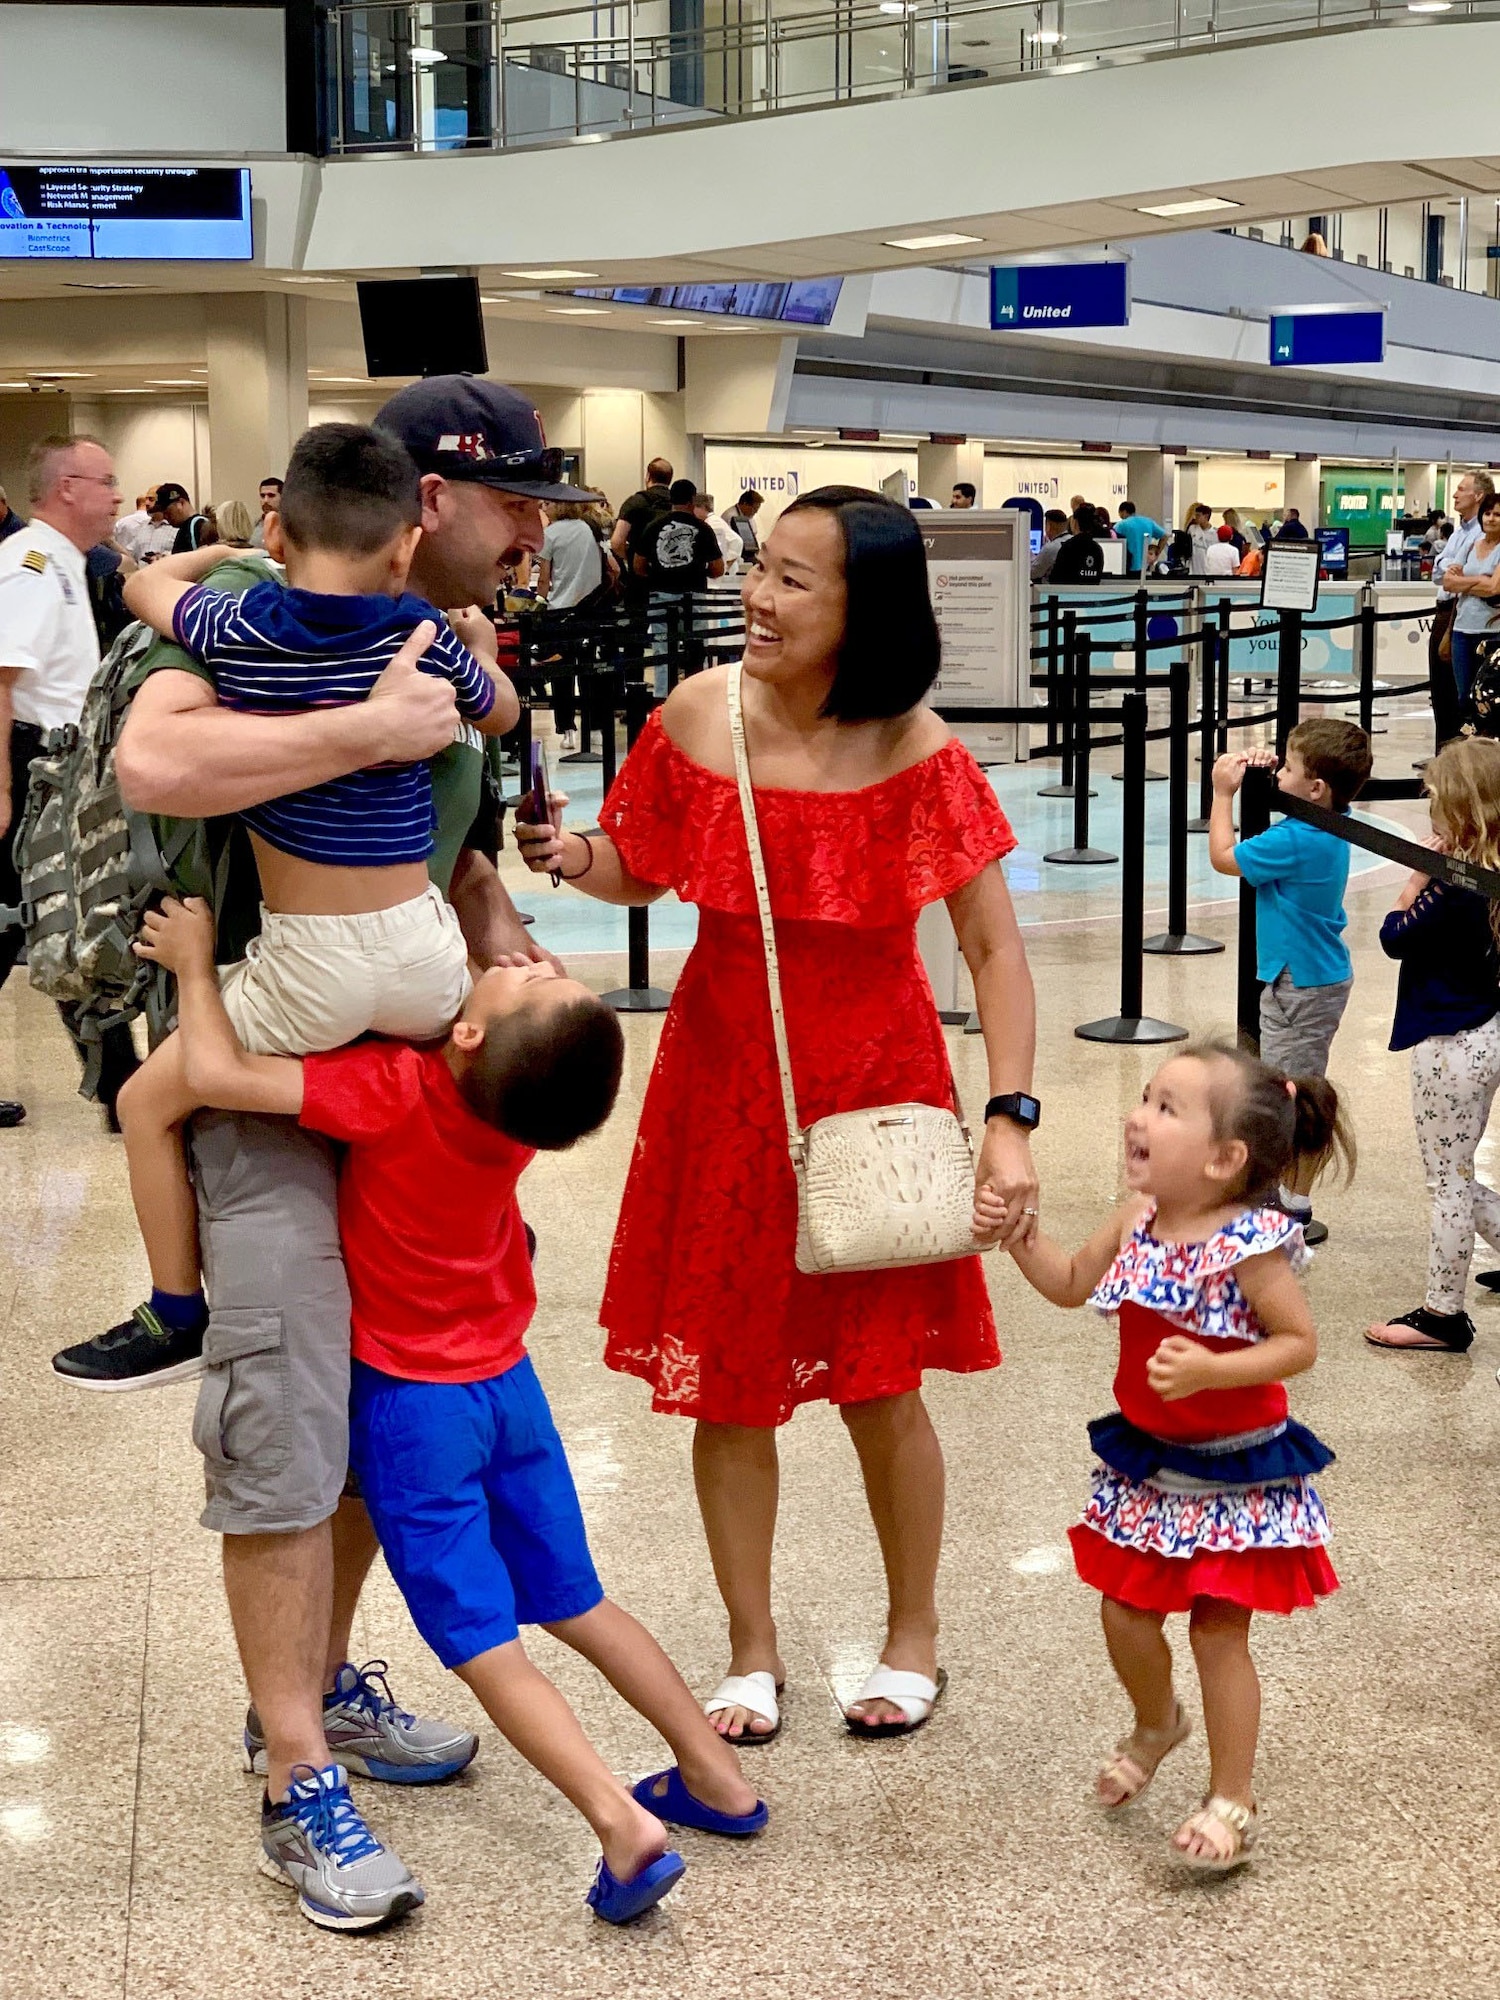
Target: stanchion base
point(1197, 826)
point(1130, 1028)
point(1152, 777)
point(582, 757)
point(971, 1026)
point(1181, 944)
point(1080, 857)
point(637, 1000)
point(1061, 792)
point(954, 1017)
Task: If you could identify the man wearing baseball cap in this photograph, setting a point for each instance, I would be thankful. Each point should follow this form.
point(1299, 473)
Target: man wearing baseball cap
point(272, 1415)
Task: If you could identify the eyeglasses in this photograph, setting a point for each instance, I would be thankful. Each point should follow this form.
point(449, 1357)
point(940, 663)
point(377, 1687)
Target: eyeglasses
point(97, 479)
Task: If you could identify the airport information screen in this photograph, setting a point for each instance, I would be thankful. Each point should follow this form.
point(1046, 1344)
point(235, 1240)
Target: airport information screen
point(799, 302)
point(146, 214)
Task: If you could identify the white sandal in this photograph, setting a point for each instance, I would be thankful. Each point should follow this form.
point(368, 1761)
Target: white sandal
point(914, 1694)
point(1241, 1823)
point(756, 1692)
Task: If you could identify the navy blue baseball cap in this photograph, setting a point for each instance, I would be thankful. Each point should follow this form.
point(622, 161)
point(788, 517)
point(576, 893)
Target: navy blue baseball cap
point(466, 428)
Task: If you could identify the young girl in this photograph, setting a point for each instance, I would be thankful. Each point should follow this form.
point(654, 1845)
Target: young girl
point(1203, 1498)
point(1448, 1015)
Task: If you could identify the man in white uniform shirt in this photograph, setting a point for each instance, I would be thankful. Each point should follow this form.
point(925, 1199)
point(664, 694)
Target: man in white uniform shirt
point(49, 652)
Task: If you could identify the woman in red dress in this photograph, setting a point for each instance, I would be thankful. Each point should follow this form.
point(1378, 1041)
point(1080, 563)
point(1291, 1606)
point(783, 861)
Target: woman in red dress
point(868, 810)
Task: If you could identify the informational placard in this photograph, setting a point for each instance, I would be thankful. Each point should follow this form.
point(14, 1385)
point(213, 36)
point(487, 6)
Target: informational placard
point(1059, 295)
point(144, 214)
point(978, 567)
point(1315, 337)
point(1289, 581)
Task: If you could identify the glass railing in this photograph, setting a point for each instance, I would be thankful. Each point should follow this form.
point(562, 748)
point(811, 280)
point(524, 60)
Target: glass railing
point(453, 74)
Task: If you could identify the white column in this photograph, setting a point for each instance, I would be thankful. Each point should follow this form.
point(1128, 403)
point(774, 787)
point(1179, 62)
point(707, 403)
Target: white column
point(256, 349)
point(1148, 483)
point(1304, 483)
point(1421, 487)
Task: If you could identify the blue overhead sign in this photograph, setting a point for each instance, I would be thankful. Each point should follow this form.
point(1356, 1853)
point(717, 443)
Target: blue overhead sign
point(1038, 296)
point(1327, 339)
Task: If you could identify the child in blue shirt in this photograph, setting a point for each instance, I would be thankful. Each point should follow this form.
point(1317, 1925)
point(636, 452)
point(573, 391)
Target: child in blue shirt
point(1299, 874)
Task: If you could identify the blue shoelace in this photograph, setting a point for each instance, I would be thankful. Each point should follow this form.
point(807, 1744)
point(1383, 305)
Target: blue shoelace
point(371, 1693)
point(329, 1816)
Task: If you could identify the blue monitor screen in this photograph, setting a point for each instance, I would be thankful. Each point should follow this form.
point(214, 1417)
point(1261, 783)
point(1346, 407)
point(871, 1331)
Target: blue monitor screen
point(798, 302)
point(144, 214)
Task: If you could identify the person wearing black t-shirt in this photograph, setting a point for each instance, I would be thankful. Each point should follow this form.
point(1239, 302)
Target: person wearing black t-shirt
point(677, 553)
point(1080, 558)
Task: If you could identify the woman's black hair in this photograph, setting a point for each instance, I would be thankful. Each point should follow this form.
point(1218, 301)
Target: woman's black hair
point(890, 652)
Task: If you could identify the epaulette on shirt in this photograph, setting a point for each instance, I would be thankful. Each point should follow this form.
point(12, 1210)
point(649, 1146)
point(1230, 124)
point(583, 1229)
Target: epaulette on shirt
point(35, 560)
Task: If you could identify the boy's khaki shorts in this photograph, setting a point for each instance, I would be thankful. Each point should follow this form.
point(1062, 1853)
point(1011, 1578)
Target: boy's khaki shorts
point(1298, 1024)
point(313, 983)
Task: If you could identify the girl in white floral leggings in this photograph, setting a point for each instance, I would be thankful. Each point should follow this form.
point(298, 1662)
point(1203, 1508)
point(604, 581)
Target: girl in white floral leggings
point(1448, 1015)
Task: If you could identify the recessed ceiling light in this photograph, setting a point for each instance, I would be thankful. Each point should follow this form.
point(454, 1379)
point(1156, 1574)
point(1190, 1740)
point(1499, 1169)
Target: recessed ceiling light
point(15, 385)
point(421, 58)
point(361, 380)
point(103, 285)
point(1206, 204)
point(171, 382)
point(1048, 38)
point(1428, 6)
point(898, 6)
point(947, 241)
point(581, 312)
point(553, 277)
point(302, 278)
point(63, 375)
point(677, 322)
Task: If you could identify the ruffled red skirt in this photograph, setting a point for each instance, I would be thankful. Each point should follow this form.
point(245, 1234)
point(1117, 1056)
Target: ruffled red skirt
point(1276, 1580)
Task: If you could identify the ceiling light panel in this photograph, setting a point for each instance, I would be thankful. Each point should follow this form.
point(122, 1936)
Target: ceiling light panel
point(1207, 204)
point(553, 277)
point(948, 240)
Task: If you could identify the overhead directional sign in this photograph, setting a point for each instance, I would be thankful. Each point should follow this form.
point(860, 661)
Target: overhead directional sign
point(1314, 338)
point(1039, 296)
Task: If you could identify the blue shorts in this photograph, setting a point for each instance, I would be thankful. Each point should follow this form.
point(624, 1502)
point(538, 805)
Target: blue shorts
point(472, 1498)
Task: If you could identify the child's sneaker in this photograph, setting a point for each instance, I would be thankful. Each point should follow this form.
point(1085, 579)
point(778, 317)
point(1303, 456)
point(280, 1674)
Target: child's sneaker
point(315, 1840)
point(142, 1352)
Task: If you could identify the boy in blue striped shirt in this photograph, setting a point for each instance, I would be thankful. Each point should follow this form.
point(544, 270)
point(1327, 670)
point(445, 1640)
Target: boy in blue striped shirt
point(355, 939)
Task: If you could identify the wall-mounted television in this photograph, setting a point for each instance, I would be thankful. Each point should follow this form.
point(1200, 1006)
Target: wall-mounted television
point(143, 214)
point(422, 326)
point(792, 302)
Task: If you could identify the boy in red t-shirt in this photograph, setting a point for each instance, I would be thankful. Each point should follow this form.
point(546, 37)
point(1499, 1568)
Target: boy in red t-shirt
point(451, 1437)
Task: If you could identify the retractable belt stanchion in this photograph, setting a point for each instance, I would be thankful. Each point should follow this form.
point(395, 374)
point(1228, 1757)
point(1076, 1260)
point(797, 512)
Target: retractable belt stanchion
point(1080, 854)
point(1063, 789)
point(640, 996)
point(1366, 644)
point(1255, 817)
point(1141, 616)
point(1054, 684)
point(1288, 678)
point(1130, 1024)
point(1177, 941)
point(1208, 724)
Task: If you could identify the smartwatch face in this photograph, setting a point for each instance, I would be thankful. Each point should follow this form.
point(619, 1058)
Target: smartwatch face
point(1030, 1108)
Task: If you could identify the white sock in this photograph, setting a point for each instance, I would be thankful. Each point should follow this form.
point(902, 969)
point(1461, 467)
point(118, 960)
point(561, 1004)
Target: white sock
point(1298, 1204)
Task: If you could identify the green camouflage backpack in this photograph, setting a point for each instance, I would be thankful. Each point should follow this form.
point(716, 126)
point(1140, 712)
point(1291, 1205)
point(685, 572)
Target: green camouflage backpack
point(89, 866)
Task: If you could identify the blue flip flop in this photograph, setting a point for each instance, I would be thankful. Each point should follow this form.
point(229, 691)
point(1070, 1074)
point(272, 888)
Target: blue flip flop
point(618, 1902)
point(677, 1806)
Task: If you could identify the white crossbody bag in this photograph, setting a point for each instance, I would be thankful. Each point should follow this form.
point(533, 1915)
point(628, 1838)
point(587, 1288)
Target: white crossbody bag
point(876, 1189)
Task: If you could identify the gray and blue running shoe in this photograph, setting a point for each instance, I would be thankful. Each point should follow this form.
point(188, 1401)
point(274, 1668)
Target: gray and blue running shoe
point(370, 1736)
point(315, 1842)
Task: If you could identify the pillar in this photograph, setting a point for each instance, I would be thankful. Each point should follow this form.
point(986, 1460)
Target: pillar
point(1148, 483)
point(1420, 482)
point(941, 466)
point(1184, 488)
point(1304, 485)
point(256, 349)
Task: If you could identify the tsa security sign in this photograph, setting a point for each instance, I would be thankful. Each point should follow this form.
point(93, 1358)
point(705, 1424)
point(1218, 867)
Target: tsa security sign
point(1043, 295)
point(1312, 339)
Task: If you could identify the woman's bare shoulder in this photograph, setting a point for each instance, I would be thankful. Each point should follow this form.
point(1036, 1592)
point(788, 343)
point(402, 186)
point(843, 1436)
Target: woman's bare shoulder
point(917, 736)
point(696, 716)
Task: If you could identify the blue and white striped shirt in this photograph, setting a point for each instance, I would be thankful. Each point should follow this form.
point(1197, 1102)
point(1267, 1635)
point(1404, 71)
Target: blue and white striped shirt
point(277, 651)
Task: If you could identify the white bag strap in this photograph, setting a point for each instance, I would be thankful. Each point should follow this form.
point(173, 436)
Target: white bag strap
point(763, 903)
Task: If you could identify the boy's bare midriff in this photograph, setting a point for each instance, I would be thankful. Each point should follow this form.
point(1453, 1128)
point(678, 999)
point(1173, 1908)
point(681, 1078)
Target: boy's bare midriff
point(298, 888)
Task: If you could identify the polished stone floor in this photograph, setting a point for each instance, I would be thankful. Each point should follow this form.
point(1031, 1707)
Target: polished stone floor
point(965, 1861)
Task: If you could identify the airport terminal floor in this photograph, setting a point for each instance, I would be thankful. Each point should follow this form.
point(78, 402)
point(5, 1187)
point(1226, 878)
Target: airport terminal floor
point(968, 1859)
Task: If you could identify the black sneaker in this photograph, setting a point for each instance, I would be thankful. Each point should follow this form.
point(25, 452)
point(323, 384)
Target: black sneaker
point(140, 1353)
point(11, 1113)
point(1489, 1279)
point(1313, 1233)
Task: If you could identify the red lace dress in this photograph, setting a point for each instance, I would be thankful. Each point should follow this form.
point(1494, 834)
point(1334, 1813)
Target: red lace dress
point(704, 1300)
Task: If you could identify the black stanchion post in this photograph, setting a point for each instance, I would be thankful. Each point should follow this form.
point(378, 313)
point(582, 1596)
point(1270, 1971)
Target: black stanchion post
point(1367, 667)
point(1208, 700)
point(1255, 817)
point(1068, 689)
point(1288, 678)
point(1177, 941)
point(640, 996)
point(1130, 1024)
point(1054, 676)
point(606, 684)
point(1222, 703)
point(1080, 854)
point(1140, 616)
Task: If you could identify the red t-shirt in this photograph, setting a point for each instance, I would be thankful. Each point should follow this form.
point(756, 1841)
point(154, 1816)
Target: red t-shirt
point(438, 1268)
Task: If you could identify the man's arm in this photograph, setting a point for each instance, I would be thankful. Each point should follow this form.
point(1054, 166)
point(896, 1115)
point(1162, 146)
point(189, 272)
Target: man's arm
point(181, 754)
point(8, 678)
point(218, 1069)
point(490, 922)
point(619, 536)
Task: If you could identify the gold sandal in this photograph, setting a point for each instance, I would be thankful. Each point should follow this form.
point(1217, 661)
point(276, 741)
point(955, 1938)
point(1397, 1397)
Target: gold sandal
point(1127, 1769)
point(1241, 1823)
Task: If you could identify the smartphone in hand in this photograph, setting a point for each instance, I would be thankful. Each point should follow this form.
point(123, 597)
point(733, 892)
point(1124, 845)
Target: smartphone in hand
point(539, 806)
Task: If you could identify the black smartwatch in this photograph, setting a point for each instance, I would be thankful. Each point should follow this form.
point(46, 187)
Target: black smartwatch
point(1016, 1105)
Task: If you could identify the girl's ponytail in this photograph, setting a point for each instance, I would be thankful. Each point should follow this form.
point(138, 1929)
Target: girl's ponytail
point(1322, 1133)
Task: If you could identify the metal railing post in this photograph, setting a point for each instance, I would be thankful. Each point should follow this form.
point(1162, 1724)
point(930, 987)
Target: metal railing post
point(1177, 941)
point(1080, 854)
point(1255, 817)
